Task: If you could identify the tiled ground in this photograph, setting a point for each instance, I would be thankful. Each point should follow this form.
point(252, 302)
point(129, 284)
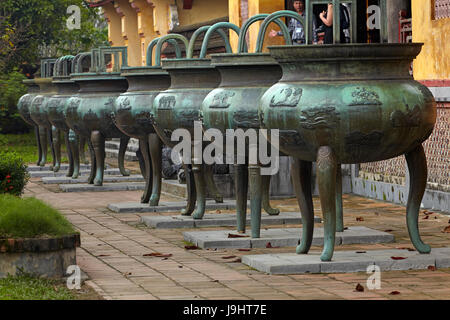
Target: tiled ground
point(113, 249)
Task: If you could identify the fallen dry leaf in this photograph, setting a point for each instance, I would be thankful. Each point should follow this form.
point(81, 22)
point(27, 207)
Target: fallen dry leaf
point(244, 249)
point(398, 258)
point(359, 288)
point(191, 247)
point(394, 293)
point(345, 228)
point(426, 217)
point(103, 255)
point(231, 235)
point(359, 219)
point(236, 260)
point(361, 251)
point(158, 255)
point(218, 211)
point(428, 212)
point(229, 257)
point(446, 229)
point(388, 230)
point(269, 245)
point(432, 268)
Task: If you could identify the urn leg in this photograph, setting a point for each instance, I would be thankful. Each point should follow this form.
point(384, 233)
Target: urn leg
point(266, 197)
point(38, 140)
point(155, 145)
point(241, 188)
point(326, 174)
point(52, 147)
point(339, 207)
point(122, 150)
point(93, 162)
point(147, 172)
point(255, 182)
point(43, 139)
point(301, 172)
point(73, 146)
point(82, 143)
point(98, 141)
point(191, 191)
point(417, 166)
point(201, 191)
point(141, 160)
point(211, 185)
point(56, 137)
point(69, 154)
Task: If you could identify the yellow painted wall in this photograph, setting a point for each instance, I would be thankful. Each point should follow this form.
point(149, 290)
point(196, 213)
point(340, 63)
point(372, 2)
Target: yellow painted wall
point(147, 32)
point(202, 10)
point(131, 32)
point(434, 60)
point(114, 25)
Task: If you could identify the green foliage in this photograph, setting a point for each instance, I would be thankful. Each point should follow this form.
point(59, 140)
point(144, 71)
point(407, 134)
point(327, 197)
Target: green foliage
point(30, 218)
point(26, 287)
point(11, 89)
point(13, 174)
point(34, 29)
point(25, 145)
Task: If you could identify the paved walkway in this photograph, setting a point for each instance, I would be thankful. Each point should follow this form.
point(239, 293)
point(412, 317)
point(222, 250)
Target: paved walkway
point(115, 253)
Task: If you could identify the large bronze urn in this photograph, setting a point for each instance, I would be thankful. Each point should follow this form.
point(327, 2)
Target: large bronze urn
point(56, 107)
point(179, 107)
point(89, 112)
point(23, 106)
point(132, 115)
point(349, 103)
point(39, 112)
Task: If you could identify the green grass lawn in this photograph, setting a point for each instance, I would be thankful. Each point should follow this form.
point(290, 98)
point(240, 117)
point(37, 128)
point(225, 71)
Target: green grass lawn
point(31, 218)
point(26, 146)
point(31, 288)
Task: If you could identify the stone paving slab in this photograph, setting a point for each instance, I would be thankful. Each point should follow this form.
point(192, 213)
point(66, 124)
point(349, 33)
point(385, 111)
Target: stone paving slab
point(62, 173)
point(348, 261)
point(286, 237)
point(137, 207)
point(68, 180)
point(217, 220)
point(63, 167)
point(119, 186)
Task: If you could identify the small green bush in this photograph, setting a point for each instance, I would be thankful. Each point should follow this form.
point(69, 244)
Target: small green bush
point(13, 173)
point(31, 218)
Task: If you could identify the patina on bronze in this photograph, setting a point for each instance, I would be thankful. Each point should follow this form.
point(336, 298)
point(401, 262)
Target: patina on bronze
point(178, 107)
point(348, 103)
point(23, 106)
point(89, 112)
point(132, 115)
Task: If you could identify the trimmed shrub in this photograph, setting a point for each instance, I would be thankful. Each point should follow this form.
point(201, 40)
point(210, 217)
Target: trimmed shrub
point(31, 218)
point(13, 174)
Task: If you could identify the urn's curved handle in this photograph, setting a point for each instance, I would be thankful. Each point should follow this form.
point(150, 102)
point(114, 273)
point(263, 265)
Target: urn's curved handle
point(152, 44)
point(259, 17)
point(219, 25)
point(61, 67)
point(204, 29)
point(77, 61)
point(274, 16)
point(166, 38)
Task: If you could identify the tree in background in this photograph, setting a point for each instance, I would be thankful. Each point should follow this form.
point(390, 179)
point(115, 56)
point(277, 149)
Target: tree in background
point(34, 29)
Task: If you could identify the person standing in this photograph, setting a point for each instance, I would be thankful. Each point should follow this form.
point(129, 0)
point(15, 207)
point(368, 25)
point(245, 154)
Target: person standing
point(327, 19)
point(296, 29)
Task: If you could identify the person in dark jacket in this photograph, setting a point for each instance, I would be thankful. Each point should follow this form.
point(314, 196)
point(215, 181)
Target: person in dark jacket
point(327, 19)
point(296, 29)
